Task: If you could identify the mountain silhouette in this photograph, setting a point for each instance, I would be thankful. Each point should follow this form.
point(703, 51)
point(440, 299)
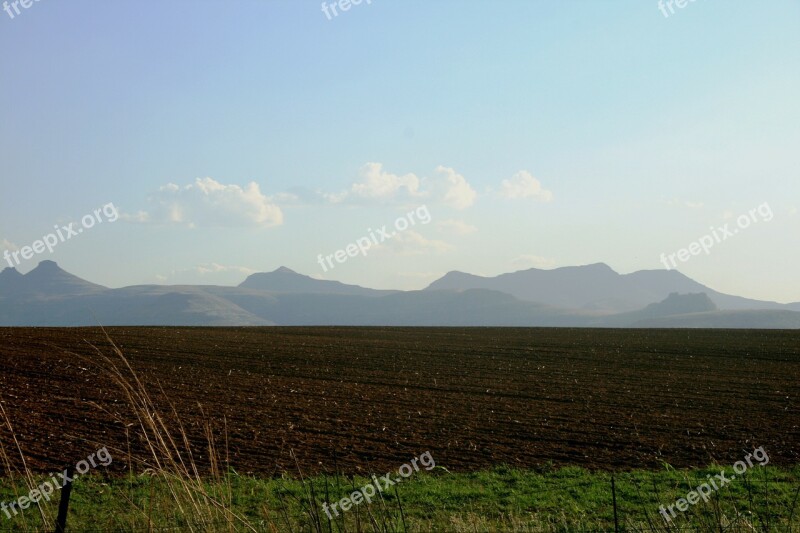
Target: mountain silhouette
point(47, 279)
point(597, 287)
point(585, 296)
point(285, 280)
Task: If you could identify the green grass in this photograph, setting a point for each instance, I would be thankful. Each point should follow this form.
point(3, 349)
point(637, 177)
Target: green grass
point(503, 499)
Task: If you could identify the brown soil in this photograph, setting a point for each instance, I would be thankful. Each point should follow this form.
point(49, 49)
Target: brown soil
point(371, 399)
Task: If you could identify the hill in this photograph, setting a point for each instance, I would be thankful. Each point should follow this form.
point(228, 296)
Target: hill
point(588, 296)
point(598, 288)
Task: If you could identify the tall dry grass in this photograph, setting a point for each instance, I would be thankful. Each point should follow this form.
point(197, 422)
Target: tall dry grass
point(199, 499)
point(202, 500)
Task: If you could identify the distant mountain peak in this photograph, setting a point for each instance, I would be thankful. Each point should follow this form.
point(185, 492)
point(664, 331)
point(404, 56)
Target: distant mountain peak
point(592, 268)
point(286, 280)
point(594, 287)
point(460, 273)
point(676, 304)
point(599, 266)
point(570, 296)
point(47, 266)
point(10, 271)
point(48, 269)
point(49, 278)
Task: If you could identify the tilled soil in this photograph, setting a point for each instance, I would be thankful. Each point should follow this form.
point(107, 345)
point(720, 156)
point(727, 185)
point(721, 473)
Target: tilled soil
point(371, 399)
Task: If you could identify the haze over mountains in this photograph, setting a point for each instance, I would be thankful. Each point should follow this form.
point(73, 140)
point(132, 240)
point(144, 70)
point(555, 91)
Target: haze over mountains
point(584, 296)
point(598, 288)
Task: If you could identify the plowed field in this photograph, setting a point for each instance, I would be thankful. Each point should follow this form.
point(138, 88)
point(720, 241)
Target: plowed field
point(370, 399)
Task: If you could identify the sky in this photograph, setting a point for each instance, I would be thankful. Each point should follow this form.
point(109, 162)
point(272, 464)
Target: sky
point(201, 141)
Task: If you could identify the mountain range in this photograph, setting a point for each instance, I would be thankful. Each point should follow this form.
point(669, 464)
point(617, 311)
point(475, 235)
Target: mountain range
point(581, 296)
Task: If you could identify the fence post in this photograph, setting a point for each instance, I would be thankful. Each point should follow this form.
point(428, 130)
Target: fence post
point(614, 497)
point(63, 506)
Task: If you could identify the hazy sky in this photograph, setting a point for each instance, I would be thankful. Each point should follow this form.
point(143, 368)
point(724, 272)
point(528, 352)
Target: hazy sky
point(239, 136)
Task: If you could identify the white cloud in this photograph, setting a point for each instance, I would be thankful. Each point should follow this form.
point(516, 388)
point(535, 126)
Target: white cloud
point(457, 227)
point(410, 242)
point(376, 185)
point(535, 261)
point(209, 203)
point(453, 189)
point(524, 185)
point(8, 245)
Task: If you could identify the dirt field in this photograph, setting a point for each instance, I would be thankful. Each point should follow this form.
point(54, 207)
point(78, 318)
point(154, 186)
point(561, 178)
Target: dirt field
point(370, 399)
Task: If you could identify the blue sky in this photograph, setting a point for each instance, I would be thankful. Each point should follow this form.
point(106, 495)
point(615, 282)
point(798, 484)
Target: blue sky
point(536, 134)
